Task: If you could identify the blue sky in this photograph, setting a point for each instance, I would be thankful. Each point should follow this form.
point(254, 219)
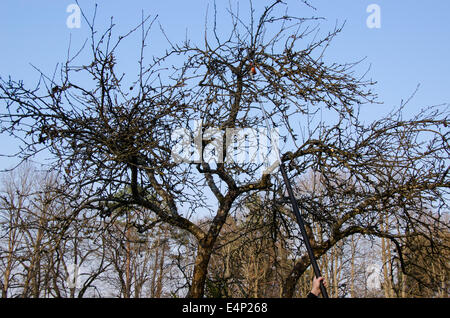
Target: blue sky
point(412, 46)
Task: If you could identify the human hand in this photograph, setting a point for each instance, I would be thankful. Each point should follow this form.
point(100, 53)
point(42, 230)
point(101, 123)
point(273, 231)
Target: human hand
point(316, 285)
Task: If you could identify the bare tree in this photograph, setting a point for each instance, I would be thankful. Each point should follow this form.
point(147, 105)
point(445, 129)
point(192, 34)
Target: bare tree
point(44, 240)
point(13, 206)
point(108, 133)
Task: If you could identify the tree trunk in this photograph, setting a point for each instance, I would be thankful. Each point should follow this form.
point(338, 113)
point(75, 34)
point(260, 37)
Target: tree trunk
point(352, 273)
point(197, 289)
point(206, 246)
point(155, 266)
point(127, 292)
point(159, 283)
point(291, 281)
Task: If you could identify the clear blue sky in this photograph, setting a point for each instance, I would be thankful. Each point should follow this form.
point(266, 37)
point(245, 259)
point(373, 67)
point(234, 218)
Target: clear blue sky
point(411, 47)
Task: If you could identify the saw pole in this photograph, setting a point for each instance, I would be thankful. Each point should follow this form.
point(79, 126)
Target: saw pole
point(301, 224)
point(295, 208)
